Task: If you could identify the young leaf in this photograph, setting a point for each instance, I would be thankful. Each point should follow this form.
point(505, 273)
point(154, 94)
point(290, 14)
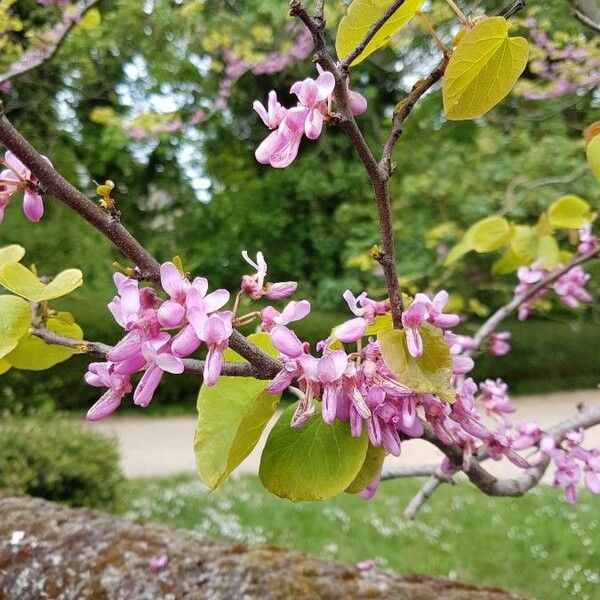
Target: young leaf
point(11, 254)
point(382, 323)
point(455, 253)
point(4, 366)
point(523, 243)
point(509, 262)
point(362, 14)
point(488, 235)
point(483, 69)
point(314, 462)
point(33, 354)
point(429, 374)
point(548, 252)
point(232, 415)
point(370, 469)
point(21, 281)
point(569, 212)
point(15, 320)
point(593, 156)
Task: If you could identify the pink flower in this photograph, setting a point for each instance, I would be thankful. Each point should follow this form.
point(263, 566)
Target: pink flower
point(326, 371)
point(215, 332)
point(412, 318)
point(158, 563)
point(571, 287)
point(274, 114)
point(17, 177)
point(158, 361)
point(366, 310)
point(312, 95)
point(255, 286)
point(498, 343)
point(103, 375)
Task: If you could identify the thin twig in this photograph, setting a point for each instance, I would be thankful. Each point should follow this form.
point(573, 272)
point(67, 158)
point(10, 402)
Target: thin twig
point(409, 471)
point(49, 43)
point(147, 266)
point(421, 497)
point(100, 350)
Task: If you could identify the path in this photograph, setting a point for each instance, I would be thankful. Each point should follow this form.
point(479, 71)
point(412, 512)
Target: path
point(157, 447)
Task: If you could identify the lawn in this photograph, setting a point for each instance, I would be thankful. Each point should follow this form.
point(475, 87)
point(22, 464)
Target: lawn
point(537, 545)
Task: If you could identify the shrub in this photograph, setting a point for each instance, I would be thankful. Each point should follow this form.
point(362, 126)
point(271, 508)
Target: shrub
point(58, 460)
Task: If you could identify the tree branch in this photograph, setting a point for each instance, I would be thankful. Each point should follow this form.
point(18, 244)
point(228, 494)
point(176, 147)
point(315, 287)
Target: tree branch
point(588, 12)
point(148, 268)
point(347, 122)
point(49, 43)
point(100, 350)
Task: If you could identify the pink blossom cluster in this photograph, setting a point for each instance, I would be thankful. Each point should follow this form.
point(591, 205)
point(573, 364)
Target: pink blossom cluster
point(288, 126)
point(160, 333)
point(564, 67)
point(18, 178)
point(572, 462)
point(569, 287)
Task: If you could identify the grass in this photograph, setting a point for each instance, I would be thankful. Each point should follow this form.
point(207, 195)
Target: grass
point(537, 545)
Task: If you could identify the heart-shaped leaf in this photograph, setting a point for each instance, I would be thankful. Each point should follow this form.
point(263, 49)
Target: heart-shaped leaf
point(11, 254)
point(428, 374)
point(15, 320)
point(370, 469)
point(362, 14)
point(232, 415)
point(33, 354)
point(482, 69)
point(21, 281)
point(313, 462)
point(569, 212)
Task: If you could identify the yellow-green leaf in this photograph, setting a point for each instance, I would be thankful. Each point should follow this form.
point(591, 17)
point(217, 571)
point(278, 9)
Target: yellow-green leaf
point(21, 281)
point(4, 366)
point(370, 469)
point(524, 242)
point(488, 234)
point(313, 462)
point(593, 156)
point(569, 212)
point(548, 252)
point(91, 19)
point(15, 320)
point(362, 14)
point(33, 354)
point(11, 254)
point(429, 374)
point(455, 253)
point(382, 323)
point(232, 414)
point(507, 263)
point(483, 69)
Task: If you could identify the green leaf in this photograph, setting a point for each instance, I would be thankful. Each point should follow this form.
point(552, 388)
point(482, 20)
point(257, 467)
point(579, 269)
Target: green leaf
point(382, 323)
point(362, 14)
point(370, 469)
point(4, 366)
point(507, 263)
point(548, 252)
point(459, 250)
point(524, 243)
point(314, 462)
point(11, 254)
point(569, 212)
point(593, 156)
point(15, 320)
point(232, 415)
point(489, 234)
point(482, 69)
point(33, 354)
point(428, 374)
point(21, 281)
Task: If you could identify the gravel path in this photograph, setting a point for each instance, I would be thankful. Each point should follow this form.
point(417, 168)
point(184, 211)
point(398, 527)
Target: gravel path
point(152, 447)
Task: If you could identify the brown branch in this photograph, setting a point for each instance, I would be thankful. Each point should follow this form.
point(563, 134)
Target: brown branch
point(100, 350)
point(147, 266)
point(379, 182)
point(420, 498)
point(385, 17)
point(588, 12)
point(49, 43)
